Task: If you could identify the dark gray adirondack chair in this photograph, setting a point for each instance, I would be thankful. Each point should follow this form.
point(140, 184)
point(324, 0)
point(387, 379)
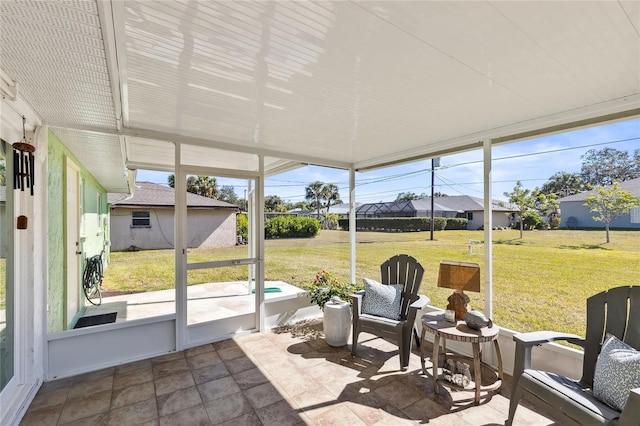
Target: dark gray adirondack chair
point(616, 311)
point(400, 269)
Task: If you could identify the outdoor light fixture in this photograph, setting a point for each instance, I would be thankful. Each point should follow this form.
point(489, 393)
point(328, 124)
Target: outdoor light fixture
point(459, 276)
point(23, 162)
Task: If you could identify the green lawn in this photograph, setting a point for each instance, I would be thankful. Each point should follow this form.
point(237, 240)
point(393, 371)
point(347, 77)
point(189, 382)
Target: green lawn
point(539, 282)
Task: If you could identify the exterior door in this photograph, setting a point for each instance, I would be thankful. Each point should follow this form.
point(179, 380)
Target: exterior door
point(219, 275)
point(73, 208)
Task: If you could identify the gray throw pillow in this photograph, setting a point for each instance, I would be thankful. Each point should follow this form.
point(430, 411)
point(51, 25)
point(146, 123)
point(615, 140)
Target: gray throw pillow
point(382, 300)
point(617, 372)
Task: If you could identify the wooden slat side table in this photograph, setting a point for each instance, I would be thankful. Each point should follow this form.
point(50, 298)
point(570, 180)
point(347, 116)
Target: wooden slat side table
point(442, 330)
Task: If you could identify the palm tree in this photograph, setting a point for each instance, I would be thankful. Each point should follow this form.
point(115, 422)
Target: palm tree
point(205, 186)
point(331, 194)
point(315, 195)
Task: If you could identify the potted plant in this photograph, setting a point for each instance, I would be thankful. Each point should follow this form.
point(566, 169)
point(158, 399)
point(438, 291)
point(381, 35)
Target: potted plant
point(333, 298)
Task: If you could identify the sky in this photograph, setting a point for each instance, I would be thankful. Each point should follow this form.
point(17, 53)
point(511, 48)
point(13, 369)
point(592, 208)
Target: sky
point(532, 162)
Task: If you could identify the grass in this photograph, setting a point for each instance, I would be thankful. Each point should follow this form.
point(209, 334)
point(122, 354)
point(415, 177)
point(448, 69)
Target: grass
point(539, 282)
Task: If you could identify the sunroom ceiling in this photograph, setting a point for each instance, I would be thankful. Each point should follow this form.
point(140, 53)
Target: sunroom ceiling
point(343, 84)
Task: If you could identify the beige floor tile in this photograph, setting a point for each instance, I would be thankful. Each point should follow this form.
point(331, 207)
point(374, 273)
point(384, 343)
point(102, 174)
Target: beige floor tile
point(315, 402)
point(210, 372)
point(85, 389)
point(263, 395)
point(279, 414)
point(125, 368)
point(50, 399)
point(247, 419)
point(162, 369)
point(45, 416)
point(218, 388)
point(229, 353)
point(133, 414)
point(133, 377)
point(239, 364)
point(171, 356)
point(178, 401)
point(250, 378)
point(174, 382)
point(132, 394)
point(338, 415)
point(398, 394)
point(57, 384)
point(203, 359)
point(199, 350)
point(85, 407)
point(227, 408)
point(192, 416)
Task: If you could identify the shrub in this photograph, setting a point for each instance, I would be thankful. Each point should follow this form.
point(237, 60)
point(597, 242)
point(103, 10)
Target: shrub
point(291, 227)
point(456, 223)
point(395, 224)
point(242, 226)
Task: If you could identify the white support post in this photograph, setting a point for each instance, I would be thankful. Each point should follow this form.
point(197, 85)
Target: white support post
point(180, 238)
point(259, 227)
point(352, 223)
point(488, 231)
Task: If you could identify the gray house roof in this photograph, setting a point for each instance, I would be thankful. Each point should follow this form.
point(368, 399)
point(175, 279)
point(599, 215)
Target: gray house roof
point(632, 185)
point(148, 194)
point(459, 203)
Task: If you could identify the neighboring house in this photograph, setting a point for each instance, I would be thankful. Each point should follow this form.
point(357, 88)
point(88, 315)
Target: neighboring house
point(145, 220)
point(342, 210)
point(575, 214)
point(462, 206)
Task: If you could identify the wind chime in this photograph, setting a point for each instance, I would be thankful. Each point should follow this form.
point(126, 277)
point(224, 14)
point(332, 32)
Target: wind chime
point(23, 162)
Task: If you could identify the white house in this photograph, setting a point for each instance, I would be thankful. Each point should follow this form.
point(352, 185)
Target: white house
point(576, 214)
point(145, 220)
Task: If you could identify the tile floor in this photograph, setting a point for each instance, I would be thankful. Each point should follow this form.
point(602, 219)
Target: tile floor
point(287, 376)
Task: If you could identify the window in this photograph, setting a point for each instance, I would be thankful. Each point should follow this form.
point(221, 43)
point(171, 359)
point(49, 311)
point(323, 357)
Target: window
point(140, 219)
point(635, 215)
point(470, 216)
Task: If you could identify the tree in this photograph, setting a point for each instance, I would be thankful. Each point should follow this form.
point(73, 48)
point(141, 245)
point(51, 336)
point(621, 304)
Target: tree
point(314, 195)
point(227, 193)
point(331, 194)
point(609, 165)
point(609, 203)
point(563, 184)
point(273, 203)
point(406, 196)
point(525, 201)
point(205, 186)
point(3, 174)
point(547, 205)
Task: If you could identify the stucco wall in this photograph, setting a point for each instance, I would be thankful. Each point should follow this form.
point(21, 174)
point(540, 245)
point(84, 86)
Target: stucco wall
point(206, 228)
point(499, 219)
point(583, 216)
point(91, 238)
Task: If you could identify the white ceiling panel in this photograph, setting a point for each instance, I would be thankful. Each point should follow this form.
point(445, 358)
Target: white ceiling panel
point(100, 154)
point(360, 83)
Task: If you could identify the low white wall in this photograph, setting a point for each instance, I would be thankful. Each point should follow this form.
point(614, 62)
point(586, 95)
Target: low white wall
point(89, 349)
point(548, 357)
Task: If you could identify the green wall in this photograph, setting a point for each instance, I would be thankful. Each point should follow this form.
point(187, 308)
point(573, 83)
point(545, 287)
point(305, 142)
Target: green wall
point(94, 227)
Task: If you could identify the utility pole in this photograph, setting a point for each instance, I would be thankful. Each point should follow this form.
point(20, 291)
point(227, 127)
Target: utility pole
point(434, 162)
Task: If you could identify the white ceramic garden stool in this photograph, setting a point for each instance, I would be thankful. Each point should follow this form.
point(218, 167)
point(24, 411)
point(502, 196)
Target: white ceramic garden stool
point(336, 322)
